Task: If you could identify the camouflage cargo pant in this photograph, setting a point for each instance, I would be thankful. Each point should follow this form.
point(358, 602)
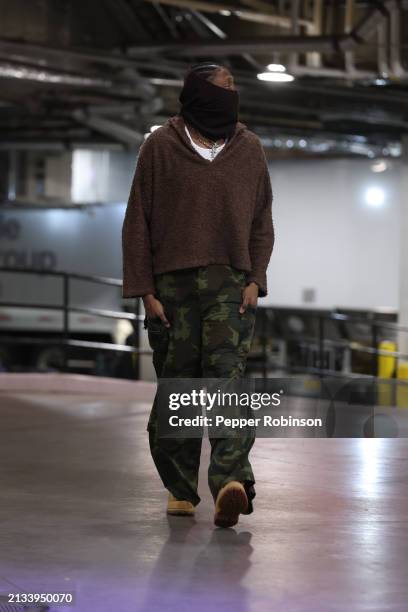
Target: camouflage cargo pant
point(208, 338)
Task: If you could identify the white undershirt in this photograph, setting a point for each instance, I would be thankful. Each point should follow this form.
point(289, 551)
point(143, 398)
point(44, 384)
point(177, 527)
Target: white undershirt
point(203, 151)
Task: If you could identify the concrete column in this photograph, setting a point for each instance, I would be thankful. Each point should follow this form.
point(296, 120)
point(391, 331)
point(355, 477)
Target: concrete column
point(403, 258)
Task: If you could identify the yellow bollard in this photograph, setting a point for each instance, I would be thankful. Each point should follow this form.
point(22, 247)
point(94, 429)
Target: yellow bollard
point(402, 389)
point(386, 364)
point(386, 369)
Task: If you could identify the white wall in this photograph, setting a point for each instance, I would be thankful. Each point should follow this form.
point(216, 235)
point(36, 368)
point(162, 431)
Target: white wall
point(58, 176)
point(101, 176)
point(329, 239)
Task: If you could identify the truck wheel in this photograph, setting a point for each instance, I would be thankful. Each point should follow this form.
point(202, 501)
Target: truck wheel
point(49, 358)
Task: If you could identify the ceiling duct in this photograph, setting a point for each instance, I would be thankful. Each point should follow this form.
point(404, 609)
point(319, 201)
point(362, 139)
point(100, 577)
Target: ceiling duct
point(263, 13)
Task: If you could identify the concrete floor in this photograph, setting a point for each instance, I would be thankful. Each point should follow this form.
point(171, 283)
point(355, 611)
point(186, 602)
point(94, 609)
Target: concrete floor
point(82, 510)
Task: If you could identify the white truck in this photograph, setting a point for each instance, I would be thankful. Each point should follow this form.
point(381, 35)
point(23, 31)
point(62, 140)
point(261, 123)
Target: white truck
point(82, 240)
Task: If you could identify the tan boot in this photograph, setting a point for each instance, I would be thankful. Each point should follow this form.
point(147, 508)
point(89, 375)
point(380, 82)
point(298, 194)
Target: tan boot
point(231, 501)
point(179, 507)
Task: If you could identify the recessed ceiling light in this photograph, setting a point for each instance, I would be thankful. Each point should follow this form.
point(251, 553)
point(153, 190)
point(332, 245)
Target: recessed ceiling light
point(276, 77)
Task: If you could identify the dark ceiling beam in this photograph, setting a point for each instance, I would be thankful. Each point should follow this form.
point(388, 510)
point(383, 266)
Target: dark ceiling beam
point(219, 33)
point(214, 29)
point(120, 12)
point(268, 44)
point(353, 112)
point(260, 45)
point(120, 132)
point(148, 18)
point(53, 57)
point(38, 53)
point(168, 22)
point(27, 72)
point(267, 16)
point(190, 24)
point(45, 142)
point(126, 88)
point(30, 51)
point(358, 94)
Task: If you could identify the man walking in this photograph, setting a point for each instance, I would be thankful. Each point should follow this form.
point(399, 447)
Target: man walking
point(197, 239)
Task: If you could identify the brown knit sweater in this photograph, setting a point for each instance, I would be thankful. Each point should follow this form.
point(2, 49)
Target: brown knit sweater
point(186, 211)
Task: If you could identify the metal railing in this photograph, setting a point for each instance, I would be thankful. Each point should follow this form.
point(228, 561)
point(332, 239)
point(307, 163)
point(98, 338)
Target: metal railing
point(320, 340)
point(64, 340)
point(322, 343)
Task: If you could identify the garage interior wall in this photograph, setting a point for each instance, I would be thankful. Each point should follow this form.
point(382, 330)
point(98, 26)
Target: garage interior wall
point(336, 224)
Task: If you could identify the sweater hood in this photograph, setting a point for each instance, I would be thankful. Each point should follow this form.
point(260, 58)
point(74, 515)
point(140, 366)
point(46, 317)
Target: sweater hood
point(177, 128)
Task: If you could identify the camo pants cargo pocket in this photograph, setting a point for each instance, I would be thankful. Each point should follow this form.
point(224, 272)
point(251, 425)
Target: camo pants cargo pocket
point(158, 336)
point(247, 329)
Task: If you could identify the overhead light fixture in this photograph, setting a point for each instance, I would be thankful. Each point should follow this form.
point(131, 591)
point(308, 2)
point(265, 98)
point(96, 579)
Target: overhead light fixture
point(225, 12)
point(276, 67)
point(276, 77)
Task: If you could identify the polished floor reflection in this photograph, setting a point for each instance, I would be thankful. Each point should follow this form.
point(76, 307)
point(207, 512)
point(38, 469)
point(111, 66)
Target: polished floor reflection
point(82, 510)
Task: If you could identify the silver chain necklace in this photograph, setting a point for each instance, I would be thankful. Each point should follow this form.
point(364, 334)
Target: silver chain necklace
point(214, 145)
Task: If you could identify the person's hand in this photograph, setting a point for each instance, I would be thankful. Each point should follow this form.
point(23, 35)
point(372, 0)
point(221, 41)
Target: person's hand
point(154, 308)
point(249, 296)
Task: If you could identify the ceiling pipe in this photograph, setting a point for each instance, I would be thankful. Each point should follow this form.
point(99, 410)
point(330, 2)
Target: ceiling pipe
point(334, 73)
point(108, 127)
point(282, 43)
point(323, 44)
point(314, 59)
point(366, 27)
point(30, 73)
point(219, 33)
point(169, 23)
point(397, 68)
point(65, 144)
point(293, 62)
point(309, 25)
point(383, 47)
point(350, 71)
point(128, 85)
point(364, 118)
point(260, 15)
point(262, 45)
point(348, 27)
point(35, 52)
